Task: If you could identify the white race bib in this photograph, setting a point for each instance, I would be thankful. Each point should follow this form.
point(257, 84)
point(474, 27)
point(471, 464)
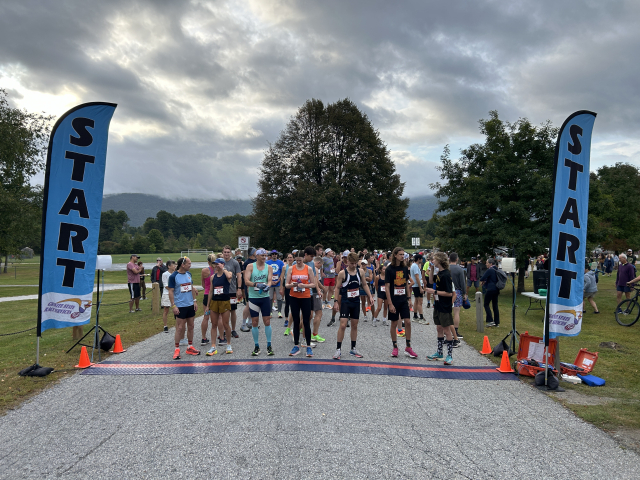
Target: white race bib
point(233, 301)
point(333, 270)
point(399, 291)
point(299, 289)
point(185, 287)
point(275, 278)
point(383, 288)
point(218, 290)
point(353, 293)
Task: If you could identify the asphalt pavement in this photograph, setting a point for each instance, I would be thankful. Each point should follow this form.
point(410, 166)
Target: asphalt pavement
point(302, 424)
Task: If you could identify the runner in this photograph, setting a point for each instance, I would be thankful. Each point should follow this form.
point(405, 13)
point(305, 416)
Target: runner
point(425, 272)
point(418, 289)
point(275, 297)
point(235, 294)
point(316, 296)
point(299, 279)
point(351, 281)
point(443, 297)
point(246, 314)
point(382, 297)
point(257, 278)
point(205, 279)
point(220, 305)
point(397, 283)
point(317, 301)
point(165, 302)
point(368, 277)
point(458, 278)
point(286, 292)
point(182, 296)
point(329, 271)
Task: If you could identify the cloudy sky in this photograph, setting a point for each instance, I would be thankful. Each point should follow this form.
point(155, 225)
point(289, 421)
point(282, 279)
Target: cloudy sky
point(202, 87)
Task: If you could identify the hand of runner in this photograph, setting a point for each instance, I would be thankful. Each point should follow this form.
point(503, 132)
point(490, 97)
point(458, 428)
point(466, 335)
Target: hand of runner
point(239, 295)
point(370, 300)
point(175, 310)
point(392, 308)
point(335, 307)
point(195, 306)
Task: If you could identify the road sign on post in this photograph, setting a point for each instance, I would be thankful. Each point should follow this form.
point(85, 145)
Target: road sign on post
point(243, 243)
point(417, 241)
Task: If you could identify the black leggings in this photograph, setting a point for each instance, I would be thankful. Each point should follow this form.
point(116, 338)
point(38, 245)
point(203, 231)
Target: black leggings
point(286, 302)
point(298, 304)
point(492, 297)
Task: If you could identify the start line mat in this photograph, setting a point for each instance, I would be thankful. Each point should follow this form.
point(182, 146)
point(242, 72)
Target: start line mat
point(301, 365)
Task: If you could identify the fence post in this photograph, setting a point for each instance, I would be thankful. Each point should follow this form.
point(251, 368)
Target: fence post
point(155, 298)
point(479, 313)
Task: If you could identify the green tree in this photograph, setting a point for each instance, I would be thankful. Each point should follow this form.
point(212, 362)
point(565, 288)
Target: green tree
point(112, 225)
point(23, 146)
point(140, 244)
point(499, 193)
point(329, 178)
point(227, 235)
point(156, 238)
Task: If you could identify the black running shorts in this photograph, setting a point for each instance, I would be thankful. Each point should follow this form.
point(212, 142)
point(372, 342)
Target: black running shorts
point(402, 312)
point(350, 310)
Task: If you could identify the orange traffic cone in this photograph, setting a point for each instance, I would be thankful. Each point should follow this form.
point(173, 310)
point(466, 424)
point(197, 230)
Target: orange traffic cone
point(84, 359)
point(486, 348)
point(117, 348)
point(505, 365)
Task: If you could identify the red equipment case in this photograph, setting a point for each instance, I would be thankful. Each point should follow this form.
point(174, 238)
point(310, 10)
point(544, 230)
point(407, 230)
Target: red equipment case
point(585, 360)
point(526, 341)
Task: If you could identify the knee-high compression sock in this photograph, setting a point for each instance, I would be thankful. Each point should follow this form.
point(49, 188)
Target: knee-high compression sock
point(267, 332)
point(449, 347)
point(440, 344)
point(254, 332)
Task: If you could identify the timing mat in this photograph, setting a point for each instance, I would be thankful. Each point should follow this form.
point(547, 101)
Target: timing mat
point(299, 365)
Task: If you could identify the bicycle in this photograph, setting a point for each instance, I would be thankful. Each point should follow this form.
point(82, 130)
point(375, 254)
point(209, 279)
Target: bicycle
point(628, 311)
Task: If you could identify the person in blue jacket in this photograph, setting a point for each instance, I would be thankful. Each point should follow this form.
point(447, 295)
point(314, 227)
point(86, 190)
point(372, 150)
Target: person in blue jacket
point(489, 280)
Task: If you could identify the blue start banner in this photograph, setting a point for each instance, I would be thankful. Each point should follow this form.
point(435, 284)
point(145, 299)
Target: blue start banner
point(569, 225)
point(74, 180)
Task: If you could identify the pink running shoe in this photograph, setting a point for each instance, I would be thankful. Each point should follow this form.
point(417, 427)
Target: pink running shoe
point(410, 353)
point(394, 353)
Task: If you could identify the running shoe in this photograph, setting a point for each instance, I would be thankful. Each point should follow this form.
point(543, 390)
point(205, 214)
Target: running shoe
point(279, 315)
point(331, 322)
point(374, 321)
point(309, 352)
point(410, 353)
point(165, 329)
point(355, 353)
point(204, 341)
point(385, 323)
point(132, 311)
point(256, 351)
point(229, 349)
point(401, 333)
point(245, 328)
point(456, 343)
point(192, 350)
point(286, 323)
point(294, 351)
point(275, 309)
point(176, 354)
point(368, 308)
point(212, 351)
point(234, 334)
point(490, 324)
point(138, 309)
point(337, 354)
point(287, 331)
point(448, 360)
point(184, 342)
point(428, 305)
point(365, 317)
point(394, 352)
point(460, 337)
point(435, 356)
point(270, 352)
point(317, 338)
point(415, 316)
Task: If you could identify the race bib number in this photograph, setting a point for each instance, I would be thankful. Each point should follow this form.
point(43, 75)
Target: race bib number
point(218, 290)
point(233, 301)
point(383, 288)
point(299, 289)
point(353, 293)
point(333, 270)
point(399, 291)
point(185, 287)
point(275, 278)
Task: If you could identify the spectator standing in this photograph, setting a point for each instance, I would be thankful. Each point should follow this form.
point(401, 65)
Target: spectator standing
point(133, 281)
point(156, 274)
point(626, 274)
point(489, 281)
point(590, 287)
point(143, 283)
point(608, 265)
point(616, 260)
point(631, 259)
point(458, 277)
point(473, 275)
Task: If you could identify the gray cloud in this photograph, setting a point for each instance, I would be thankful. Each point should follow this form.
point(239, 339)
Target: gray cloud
point(202, 87)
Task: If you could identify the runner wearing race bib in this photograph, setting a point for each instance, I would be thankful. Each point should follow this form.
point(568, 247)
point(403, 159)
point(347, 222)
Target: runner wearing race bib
point(275, 295)
point(258, 277)
point(397, 283)
point(381, 290)
point(299, 280)
point(182, 296)
point(219, 305)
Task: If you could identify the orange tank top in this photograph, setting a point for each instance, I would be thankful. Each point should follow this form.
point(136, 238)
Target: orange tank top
point(301, 276)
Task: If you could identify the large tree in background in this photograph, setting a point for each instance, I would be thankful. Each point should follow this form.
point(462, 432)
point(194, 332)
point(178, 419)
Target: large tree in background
point(329, 178)
point(499, 193)
point(23, 146)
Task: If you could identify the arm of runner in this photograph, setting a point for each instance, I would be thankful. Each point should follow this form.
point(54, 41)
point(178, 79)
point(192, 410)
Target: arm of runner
point(247, 275)
point(288, 282)
point(312, 277)
point(239, 291)
point(390, 306)
point(204, 275)
point(194, 294)
point(227, 273)
point(269, 276)
point(367, 291)
point(338, 296)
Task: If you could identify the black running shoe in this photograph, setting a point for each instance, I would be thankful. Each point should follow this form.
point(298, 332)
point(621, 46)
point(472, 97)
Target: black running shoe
point(256, 351)
point(331, 322)
point(270, 352)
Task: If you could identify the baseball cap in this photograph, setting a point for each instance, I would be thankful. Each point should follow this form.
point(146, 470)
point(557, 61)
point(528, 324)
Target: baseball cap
point(273, 251)
point(295, 250)
point(345, 253)
point(473, 258)
point(328, 250)
point(219, 260)
point(261, 251)
point(252, 251)
point(159, 259)
point(134, 255)
point(629, 250)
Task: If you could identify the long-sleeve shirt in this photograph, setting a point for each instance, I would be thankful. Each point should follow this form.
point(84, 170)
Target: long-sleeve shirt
point(626, 273)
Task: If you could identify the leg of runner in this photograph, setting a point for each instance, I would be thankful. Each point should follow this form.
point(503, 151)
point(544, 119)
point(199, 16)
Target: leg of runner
point(305, 307)
point(340, 337)
point(191, 350)
point(223, 323)
point(215, 320)
point(233, 315)
point(354, 336)
point(179, 335)
point(394, 337)
point(440, 337)
point(294, 304)
point(205, 322)
point(317, 318)
point(408, 351)
point(164, 319)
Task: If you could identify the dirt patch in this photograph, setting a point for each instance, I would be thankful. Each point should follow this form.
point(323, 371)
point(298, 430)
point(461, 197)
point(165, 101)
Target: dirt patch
point(611, 345)
point(575, 398)
point(627, 438)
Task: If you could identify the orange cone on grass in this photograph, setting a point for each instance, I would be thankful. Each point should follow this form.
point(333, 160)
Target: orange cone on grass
point(84, 359)
point(505, 365)
point(486, 348)
point(117, 347)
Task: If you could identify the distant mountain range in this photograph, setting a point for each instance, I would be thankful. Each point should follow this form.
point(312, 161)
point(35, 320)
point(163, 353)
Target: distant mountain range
point(139, 206)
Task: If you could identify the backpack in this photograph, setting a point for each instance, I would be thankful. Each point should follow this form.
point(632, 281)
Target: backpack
point(501, 281)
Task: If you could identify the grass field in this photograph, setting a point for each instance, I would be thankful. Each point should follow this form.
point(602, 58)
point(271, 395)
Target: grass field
point(618, 367)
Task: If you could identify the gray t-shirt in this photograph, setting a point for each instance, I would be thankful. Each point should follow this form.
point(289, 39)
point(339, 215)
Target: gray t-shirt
point(327, 266)
point(312, 266)
point(457, 275)
point(234, 267)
